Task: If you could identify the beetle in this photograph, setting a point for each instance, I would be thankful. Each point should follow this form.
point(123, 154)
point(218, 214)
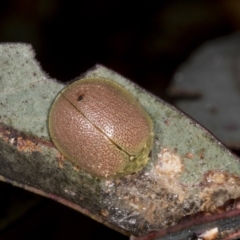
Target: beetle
point(101, 128)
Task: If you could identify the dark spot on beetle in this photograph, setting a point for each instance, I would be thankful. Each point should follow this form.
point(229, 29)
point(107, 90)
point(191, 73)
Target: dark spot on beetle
point(80, 97)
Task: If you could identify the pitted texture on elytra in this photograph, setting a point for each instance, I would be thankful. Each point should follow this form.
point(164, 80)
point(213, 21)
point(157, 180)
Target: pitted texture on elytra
point(80, 141)
point(113, 110)
point(101, 128)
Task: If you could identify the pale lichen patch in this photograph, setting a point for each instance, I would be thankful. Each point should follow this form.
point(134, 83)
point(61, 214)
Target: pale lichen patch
point(218, 187)
point(26, 145)
point(169, 163)
point(210, 234)
point(221, 177)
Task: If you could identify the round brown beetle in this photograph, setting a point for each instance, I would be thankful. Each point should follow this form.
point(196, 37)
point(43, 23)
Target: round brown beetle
point(101, 128)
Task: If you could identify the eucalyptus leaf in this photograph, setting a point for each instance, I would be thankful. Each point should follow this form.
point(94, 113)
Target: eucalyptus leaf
point(189, 170)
